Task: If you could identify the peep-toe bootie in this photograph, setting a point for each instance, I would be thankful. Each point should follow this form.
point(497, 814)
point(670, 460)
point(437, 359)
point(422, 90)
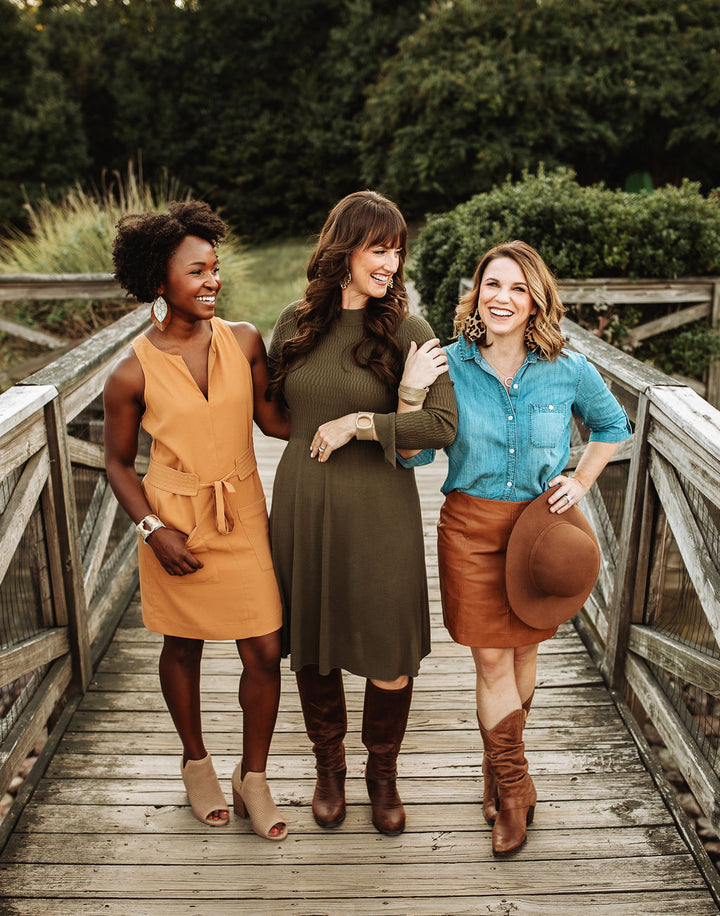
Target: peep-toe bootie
point(204, 792)
point(252, 798)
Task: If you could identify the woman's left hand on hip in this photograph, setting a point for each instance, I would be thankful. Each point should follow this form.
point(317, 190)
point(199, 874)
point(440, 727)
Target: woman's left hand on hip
point(568, 491)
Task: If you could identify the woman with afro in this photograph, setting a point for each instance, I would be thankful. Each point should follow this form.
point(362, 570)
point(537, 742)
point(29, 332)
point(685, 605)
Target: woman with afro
point(195, 383)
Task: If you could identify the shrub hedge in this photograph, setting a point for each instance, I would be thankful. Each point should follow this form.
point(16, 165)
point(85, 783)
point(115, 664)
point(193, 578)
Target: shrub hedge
point(581, 232)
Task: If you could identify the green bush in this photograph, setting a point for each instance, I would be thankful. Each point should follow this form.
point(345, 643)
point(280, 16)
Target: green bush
point(581, 232)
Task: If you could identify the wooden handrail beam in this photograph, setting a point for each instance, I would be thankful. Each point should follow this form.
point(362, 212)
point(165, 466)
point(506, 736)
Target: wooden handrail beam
point(14, 287)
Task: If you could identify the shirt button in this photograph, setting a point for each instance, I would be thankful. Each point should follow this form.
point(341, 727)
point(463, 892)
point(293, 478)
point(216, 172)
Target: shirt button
point(509, 483)
point(514, 386)
point(550, 407)
point(510, 417)
point(512, 451)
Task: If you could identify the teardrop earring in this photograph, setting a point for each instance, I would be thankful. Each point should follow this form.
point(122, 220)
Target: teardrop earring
point(346, 281)
point(160, 314)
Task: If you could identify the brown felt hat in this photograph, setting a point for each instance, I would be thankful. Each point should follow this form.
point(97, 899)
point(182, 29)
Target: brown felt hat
point(551, 565)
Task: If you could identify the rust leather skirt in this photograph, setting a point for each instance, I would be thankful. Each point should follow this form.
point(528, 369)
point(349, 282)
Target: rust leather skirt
point(472, 539)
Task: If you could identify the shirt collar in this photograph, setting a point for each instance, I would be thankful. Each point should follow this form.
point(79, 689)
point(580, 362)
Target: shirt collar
point(469, 350)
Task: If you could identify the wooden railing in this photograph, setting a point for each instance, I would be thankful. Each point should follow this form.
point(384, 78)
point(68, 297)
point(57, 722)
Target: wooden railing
point(693, 299)
point(652, 623)
point(33, 287)
point(67, 556)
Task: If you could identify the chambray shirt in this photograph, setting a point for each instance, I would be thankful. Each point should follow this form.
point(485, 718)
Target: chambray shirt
point(510, 445)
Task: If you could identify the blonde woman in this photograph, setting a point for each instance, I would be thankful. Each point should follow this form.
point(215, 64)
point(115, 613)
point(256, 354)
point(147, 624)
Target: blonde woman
point(516, 389)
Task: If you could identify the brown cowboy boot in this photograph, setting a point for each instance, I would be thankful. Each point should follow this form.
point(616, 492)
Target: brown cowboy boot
point(385, 715)
point(516, 792)
point(490, 796)
point(323, 704)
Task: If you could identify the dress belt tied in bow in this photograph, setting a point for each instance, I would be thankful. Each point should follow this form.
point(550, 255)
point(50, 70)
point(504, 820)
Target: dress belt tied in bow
point(184, 483)
point(222, 517)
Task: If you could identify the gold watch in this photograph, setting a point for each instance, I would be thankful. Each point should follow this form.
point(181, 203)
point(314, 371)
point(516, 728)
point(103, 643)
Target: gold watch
point(364, 425)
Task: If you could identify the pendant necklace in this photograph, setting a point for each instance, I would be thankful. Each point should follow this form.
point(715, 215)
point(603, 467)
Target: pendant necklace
point(507, 380)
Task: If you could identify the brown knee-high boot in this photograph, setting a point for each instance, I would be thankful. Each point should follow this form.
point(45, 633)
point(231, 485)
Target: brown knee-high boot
point(385, 715)
point(490, 799)
point(323, 704)
point(516, 793)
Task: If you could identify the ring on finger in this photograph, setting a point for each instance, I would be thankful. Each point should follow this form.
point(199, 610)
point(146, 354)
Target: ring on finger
point(568, 498)
point(321, 448)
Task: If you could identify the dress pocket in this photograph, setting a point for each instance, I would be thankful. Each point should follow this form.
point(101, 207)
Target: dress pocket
point(254, 521)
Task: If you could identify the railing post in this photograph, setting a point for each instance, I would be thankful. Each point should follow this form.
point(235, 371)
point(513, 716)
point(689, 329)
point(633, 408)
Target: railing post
point(63, 490)
point(630, 581)
point(713, 378)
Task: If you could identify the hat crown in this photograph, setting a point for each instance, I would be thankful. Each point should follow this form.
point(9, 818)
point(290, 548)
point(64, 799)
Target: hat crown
point(563, 560)
point(551, 564)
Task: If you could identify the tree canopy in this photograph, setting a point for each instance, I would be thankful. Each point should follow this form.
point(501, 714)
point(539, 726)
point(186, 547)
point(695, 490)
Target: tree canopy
point(608, 87)
point(273, 109)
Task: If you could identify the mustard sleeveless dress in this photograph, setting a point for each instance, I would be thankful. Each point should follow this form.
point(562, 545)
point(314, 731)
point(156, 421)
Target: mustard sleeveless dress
point(203, 481)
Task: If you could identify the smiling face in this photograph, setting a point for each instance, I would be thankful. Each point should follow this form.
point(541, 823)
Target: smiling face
point(192, 280)
point(371, 268)
point(504, 301)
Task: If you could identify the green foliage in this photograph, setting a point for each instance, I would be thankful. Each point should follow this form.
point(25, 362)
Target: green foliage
point(483, 90)
point(688, 352)
point(75, 236)
point(42, 142)
point(255, 105)
point(580, 232)
point(273, 109)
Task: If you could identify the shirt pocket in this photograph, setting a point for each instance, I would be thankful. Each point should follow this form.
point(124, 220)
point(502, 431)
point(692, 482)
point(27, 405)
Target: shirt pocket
point(548, 424)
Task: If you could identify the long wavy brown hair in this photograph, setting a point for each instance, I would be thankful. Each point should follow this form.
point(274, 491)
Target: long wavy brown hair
point(358, 221)
point(543, 289)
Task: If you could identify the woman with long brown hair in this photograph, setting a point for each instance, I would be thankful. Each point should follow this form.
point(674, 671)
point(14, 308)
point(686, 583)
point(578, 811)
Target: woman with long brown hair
point(362, 378)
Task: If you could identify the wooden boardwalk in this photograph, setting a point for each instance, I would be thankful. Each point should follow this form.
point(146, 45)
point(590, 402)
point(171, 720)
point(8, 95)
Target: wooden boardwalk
point(109, 829)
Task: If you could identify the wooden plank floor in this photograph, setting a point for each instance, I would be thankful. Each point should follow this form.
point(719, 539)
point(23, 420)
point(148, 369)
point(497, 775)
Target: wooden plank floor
point(109, 829)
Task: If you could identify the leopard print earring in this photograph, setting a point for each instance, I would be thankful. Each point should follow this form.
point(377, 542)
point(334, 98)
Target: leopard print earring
point(530, 342)
point(474, 327)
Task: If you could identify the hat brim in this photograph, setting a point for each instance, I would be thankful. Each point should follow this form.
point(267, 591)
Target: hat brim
point(533, 607)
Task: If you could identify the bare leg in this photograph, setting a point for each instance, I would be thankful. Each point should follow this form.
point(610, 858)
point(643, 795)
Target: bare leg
point(526, 671)
point(259, 696)
point(398, 684)
point(496, 688)
point(505, 680)
point(180, 681)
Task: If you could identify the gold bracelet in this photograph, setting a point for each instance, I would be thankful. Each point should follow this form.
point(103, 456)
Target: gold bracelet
point(414, 397)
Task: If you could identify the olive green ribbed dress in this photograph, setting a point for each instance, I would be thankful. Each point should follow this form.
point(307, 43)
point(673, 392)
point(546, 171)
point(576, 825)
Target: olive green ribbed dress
point(346, 534)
